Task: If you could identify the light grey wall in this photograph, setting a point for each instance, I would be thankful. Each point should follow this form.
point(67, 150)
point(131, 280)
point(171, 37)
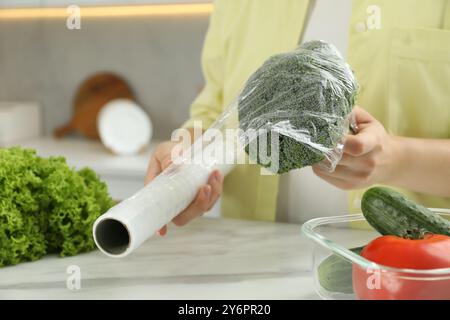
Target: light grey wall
point(41, 60)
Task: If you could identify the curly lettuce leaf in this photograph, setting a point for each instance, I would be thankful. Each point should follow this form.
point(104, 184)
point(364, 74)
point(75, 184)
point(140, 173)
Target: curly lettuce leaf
point(46, 206)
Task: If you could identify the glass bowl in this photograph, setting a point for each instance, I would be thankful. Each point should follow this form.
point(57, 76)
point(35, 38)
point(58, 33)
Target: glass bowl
point(332, 239)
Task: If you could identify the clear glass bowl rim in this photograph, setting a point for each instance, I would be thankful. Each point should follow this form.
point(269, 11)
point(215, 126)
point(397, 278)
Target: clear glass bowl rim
point(308, 230)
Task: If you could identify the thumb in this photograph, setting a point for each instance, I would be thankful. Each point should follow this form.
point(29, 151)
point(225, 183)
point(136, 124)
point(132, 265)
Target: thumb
point(362, 116)
point(361, 143)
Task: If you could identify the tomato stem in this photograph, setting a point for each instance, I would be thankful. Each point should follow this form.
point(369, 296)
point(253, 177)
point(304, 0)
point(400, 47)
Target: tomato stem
point(415, 234)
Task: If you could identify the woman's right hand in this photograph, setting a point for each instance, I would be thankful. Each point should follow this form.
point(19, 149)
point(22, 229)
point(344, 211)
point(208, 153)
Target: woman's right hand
point(206, 196)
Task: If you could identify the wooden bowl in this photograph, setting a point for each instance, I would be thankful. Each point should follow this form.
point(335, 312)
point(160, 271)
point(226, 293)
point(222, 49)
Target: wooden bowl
point(91, 96)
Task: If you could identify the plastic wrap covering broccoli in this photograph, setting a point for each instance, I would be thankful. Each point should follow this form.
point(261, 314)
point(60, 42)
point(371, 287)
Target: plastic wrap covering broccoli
point(305, 96)
point(46, 206)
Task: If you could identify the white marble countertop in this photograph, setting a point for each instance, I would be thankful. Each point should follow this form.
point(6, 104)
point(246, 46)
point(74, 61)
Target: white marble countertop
point(207, 259)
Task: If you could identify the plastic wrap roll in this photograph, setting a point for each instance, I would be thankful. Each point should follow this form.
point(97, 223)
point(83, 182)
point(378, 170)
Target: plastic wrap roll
point(293, 112)
point(127, 225)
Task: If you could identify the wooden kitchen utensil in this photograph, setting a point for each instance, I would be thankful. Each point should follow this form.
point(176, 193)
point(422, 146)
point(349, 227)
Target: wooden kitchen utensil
point(91, 96)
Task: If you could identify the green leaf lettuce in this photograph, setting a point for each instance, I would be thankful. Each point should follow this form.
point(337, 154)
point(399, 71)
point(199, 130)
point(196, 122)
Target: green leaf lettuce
point(46, 206)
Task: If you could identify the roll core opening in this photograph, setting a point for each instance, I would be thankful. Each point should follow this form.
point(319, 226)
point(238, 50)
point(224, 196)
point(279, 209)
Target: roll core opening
point(112, 236)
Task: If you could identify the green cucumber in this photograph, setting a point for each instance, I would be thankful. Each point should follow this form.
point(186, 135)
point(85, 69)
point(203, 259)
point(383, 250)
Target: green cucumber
point(391, 213)
point(335, 273)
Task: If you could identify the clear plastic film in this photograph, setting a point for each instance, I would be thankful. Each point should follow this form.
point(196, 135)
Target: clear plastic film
point(294, 111)
point(305, 97)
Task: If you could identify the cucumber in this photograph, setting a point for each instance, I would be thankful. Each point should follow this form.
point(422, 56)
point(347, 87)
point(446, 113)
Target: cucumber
point(335, 273)
point(391, 213)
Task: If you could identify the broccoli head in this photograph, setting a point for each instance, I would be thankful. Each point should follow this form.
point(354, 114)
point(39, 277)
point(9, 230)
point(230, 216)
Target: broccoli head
point(46, 206)
point(305, 96)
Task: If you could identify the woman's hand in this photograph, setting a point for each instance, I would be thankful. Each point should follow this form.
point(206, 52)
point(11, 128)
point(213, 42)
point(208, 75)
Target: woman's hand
point(369, 157)
point(206, 196)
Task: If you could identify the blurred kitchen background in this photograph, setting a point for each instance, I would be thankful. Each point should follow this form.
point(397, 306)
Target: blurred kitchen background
point(155, 50)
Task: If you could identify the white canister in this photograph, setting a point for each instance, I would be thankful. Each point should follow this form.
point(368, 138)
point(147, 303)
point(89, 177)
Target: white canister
point(18, 121)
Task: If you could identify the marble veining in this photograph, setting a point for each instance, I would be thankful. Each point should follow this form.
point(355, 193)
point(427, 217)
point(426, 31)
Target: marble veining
point(207, 259)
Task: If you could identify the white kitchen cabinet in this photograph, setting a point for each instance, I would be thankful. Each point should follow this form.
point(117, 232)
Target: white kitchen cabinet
point(304, 196)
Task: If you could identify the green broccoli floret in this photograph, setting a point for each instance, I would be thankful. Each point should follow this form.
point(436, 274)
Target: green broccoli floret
point(304, 96)
point(46, 206)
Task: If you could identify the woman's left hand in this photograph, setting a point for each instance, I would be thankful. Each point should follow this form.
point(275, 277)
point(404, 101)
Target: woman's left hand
point(369, 157)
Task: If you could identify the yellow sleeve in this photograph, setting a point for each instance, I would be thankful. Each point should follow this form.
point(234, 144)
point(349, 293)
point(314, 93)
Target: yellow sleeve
point(208, 104)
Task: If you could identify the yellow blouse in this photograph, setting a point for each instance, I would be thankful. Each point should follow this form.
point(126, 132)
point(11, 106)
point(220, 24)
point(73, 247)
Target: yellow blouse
point(399, 50)
point(403, 68)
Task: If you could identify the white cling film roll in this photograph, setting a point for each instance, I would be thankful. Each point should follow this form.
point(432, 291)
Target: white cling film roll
point(294, 111)
point(131, 222)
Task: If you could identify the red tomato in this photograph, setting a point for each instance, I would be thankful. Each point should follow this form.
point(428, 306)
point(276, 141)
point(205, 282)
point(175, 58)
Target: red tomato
point(431, 252)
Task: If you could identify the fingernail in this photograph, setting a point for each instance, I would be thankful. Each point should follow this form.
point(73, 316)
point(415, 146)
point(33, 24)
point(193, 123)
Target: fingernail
point(218, 177)
point(207, 191)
